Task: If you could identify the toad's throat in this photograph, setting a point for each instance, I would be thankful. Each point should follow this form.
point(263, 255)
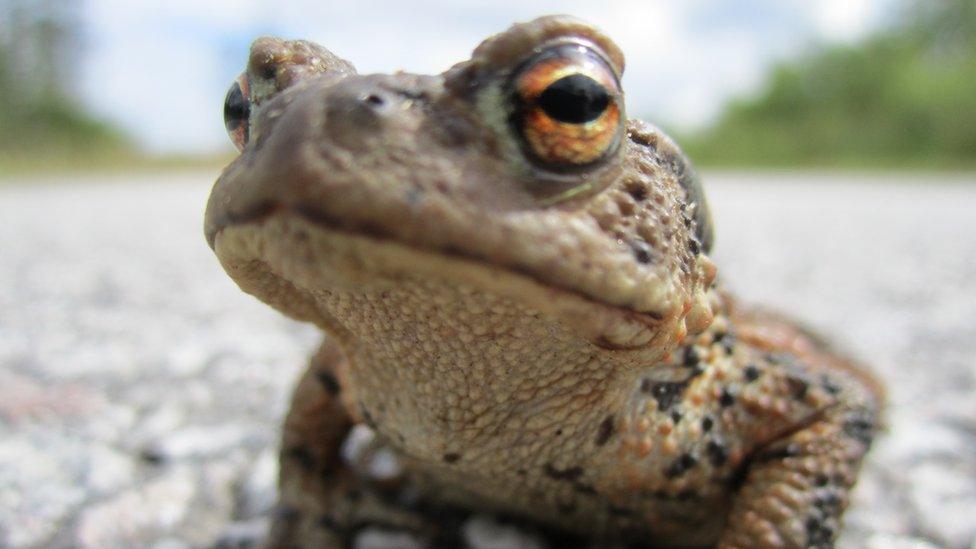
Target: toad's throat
point(446, 368)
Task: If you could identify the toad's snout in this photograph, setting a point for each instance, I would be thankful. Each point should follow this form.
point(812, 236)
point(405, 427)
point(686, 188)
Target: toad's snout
point(358, 110)
point(313, 148)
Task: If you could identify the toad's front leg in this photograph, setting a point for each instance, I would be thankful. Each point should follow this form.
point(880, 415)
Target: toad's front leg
point(328, 491)
point(796, 488)
point(313, 479)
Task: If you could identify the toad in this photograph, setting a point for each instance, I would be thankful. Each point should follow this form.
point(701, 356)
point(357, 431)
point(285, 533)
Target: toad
point(516, 286)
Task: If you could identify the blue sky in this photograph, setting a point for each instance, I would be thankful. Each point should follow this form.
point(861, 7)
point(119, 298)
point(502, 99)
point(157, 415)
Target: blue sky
point(160, 68)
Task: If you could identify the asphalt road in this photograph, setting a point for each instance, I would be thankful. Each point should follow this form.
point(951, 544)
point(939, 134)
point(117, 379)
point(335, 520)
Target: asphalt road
point(140, 390)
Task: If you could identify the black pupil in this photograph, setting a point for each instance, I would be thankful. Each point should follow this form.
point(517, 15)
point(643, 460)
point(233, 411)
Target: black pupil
point(574, 99)
point(236, 107)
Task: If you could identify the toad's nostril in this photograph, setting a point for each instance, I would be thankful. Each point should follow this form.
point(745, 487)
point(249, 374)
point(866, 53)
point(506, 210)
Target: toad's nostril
point(375, 100)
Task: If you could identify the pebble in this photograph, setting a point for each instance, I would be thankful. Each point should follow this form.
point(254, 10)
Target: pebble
point(484, 532)
point(374, 538)
point(197, 441)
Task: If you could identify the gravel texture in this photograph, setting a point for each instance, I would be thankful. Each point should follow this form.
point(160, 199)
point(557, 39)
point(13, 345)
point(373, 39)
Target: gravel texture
point(140, 391)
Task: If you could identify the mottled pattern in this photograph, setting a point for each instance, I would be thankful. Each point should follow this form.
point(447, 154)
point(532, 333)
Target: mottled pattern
point(549, 345)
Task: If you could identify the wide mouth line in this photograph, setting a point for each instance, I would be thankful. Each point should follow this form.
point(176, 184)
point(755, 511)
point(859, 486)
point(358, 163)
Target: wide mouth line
point(263, 211)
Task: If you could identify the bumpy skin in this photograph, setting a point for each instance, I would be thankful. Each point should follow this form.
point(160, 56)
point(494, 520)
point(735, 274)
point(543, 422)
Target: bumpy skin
point(548, 344)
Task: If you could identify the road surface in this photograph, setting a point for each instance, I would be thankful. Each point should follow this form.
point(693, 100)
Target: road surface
point(140, 391)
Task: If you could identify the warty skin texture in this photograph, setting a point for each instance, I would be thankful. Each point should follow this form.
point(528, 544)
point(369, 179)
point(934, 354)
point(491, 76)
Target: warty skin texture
point(545, 341)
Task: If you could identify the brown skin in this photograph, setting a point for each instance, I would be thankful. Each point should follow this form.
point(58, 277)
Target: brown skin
point(530, 330)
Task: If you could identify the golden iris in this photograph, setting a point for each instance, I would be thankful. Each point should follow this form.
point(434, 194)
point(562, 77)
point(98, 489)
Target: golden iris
point(567, 106)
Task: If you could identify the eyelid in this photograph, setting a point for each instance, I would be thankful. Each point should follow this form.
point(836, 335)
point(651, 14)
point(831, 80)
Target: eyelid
point(534, 79)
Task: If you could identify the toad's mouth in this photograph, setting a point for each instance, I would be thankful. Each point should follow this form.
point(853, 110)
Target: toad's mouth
point(288, 256)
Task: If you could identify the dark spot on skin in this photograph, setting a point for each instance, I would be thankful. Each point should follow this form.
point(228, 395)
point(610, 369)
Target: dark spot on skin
point(707, 423)
point(829, 386)
point(860, 426)
point(681, 465)
point(788, 451)
point(566, 507)
point(727, 341)
point(285, 516)
point(584, 489)
point(692, 360)
point(694, 197)
point(329, 382)
point(302, 456)
point(683, 495)
point(676, 416)
point(636, 190)
point(327, 523)
point(642, 252)
point(452, 457)
point(727, 398)
point(751, 372)
point(798, 387)
point(828, 502)
point(559, 432)
point(605, 430)
point(718, 453)
point(620, 511)
point(521, 472)
point(268, 71)
point(819, 534)
point(666, 393)
point(570, 474)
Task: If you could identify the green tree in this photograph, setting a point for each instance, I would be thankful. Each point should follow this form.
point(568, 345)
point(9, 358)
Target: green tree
point(39, 114)
point(904, 96)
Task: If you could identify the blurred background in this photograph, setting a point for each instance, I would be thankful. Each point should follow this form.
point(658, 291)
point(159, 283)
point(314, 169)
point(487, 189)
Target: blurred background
point(836, 83)
point(141, 391)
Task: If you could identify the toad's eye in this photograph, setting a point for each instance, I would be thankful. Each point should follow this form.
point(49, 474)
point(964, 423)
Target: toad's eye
point(237, 112)
point(567, 107)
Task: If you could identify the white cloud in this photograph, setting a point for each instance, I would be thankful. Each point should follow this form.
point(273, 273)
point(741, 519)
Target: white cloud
point(160, 67)
point(845, 20)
